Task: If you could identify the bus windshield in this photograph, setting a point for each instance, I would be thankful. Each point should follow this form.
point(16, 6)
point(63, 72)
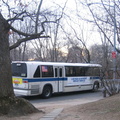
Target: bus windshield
point(19, 69)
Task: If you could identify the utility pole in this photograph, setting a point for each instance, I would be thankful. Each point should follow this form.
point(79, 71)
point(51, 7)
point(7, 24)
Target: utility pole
point(114, 48)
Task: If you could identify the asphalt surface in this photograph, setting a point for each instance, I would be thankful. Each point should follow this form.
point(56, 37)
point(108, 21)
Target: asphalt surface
point(72, 98)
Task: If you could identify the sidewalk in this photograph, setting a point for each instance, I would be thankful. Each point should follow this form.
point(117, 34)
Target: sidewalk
point(52, 115)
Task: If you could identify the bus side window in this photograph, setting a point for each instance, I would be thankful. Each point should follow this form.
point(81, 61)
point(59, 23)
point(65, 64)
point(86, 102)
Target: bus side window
point(89, 71)
point(82, 71)
point(96, 72)
point(37, 72)
point(93, 71)
point(56, 74)
point(60, 72)
point(70, 71)
point(47, 71)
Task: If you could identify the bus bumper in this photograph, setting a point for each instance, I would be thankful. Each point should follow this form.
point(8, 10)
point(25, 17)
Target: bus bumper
point(22, 92)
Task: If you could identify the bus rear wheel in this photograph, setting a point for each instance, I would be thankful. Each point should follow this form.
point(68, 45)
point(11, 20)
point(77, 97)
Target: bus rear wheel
point(47, 91)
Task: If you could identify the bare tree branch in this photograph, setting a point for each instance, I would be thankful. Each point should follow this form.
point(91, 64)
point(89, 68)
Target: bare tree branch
point(32, 37)
point(37, 17)
point(17, 17)
point(99, 25)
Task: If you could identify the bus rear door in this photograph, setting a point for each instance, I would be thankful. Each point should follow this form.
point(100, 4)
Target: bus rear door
point(59, 74)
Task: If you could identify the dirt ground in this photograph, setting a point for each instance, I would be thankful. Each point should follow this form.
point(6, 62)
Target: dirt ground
point(105, 109)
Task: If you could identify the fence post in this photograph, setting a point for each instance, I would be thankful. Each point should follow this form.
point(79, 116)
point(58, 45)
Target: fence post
point(104, 92)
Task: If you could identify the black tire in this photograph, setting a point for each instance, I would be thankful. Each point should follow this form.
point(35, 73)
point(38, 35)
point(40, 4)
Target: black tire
point(47, 92)
point(95, 87)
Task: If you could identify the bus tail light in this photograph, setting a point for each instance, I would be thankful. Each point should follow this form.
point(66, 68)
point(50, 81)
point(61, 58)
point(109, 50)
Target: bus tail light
point(25, 81)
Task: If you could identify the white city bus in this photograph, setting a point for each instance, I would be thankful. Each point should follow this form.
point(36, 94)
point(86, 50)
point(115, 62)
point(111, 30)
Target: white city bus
point(45, 78)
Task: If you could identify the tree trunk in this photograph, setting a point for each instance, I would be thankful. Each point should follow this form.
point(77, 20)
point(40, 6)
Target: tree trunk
point(9, 104)
point(6, 88)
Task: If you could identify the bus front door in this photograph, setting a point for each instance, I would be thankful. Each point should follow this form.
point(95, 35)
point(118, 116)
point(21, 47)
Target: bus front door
point(59, 75)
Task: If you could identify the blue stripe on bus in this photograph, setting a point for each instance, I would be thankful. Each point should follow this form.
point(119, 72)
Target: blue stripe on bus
point(45, 79)
point(95, 77)
point(51, 79)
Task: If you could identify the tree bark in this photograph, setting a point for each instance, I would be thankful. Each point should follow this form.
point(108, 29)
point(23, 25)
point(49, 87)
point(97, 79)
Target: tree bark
point(9, 104)
point(6, 87)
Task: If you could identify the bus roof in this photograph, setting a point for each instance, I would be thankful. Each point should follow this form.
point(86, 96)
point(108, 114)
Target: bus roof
point(58, 63)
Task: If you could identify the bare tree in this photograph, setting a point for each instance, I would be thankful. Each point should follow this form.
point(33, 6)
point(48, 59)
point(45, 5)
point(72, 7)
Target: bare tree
point(49, 49)
point(105, 15)
point(13, 104)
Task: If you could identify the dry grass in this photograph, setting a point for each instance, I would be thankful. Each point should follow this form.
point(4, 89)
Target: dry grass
point(106, 109)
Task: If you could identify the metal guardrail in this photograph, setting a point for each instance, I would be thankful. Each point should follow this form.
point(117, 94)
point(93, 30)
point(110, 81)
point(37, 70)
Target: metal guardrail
point(118, 80)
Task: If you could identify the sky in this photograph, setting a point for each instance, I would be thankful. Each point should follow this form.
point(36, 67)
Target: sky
point(81, 26)
point(90, 32)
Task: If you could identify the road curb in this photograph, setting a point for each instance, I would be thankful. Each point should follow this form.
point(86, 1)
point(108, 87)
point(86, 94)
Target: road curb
point(52, 115)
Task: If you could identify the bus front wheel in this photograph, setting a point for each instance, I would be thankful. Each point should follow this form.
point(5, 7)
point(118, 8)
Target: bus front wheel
point(47, 91)
point(95, 87)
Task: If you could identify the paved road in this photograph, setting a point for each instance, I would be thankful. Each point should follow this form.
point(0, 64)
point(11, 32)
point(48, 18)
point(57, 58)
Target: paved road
point(74, 98)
